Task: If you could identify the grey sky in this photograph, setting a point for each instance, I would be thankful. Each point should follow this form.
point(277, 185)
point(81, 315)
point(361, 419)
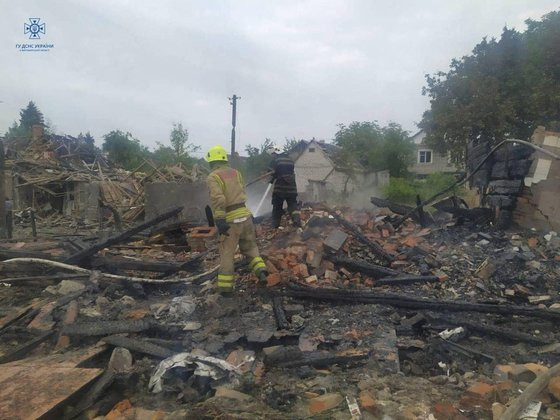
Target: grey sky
point(301, 67)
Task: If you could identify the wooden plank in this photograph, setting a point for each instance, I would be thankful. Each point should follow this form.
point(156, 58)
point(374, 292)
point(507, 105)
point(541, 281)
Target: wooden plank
point(29, 392)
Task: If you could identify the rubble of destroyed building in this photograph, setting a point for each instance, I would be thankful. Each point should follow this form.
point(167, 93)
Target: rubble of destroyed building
point(109, 309)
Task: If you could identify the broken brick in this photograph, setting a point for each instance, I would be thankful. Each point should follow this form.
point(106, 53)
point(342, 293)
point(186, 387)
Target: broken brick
point(481, 390)
point(444, 411)
point(270, 267)
point(441, 276)
point(532, 242)
point(232, 394)
point(554, 387)
point(324, 403)
point(331, 275)
point(367, 402)
point(273, 279)
point(311, 279)
point(242, 359)
point(118, 410)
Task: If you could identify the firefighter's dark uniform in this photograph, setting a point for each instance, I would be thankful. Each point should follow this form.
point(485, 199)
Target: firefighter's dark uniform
point(285, 189)
point(227, 199)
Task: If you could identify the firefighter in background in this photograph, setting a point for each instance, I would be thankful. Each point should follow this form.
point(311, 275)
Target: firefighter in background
point(232, 218)
point(285, 189)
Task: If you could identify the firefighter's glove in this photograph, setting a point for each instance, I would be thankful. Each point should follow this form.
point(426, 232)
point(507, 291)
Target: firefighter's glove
point(222, 226)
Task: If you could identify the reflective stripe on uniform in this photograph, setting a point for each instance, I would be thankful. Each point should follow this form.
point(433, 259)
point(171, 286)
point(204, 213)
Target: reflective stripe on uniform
point(220, 181)
point(237, 214)
point(226, 281)
point(257, 264)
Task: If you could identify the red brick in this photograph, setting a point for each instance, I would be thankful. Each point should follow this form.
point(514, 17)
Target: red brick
point(273, 279)
point(554, 387)
point(118, 410)
point(444, 411)
point(324, 403)
point(481, 390)
point(367, 402)
point(532, 242)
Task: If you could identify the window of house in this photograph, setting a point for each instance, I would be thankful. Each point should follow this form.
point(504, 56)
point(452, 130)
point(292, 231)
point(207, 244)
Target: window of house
point(424, 156)
point(311, 150)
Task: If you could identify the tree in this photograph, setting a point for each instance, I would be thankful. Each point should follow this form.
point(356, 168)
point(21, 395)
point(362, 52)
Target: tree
point(179, 139)
point(374, 147)
point(28, 116)
point(89, 140)
point(505, 88)
point(258, 160)
point(124, 150)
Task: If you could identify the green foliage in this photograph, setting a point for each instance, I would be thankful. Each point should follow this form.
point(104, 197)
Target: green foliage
point(505, 88)
point(289, 144)
point(179, 139)
point(375, 147)
point(258, 160)
point(404, 190)
point(124, 150)
point(28, 116)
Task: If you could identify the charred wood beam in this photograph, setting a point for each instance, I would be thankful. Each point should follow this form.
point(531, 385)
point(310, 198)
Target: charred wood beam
point(404, 280)
point(362, 266)
point(319, 359)
point(503, 333)
point(107, 327)
point(138, 346)
point(21, 351)
point(357, 233)
point(6, 254)
point(121, 263)
point(279, 314)
point(115, 213)
point(121, 237)
point(407, 301)
point(399, 209)
point(466, 351)
point(24, 279)
point(191, 264)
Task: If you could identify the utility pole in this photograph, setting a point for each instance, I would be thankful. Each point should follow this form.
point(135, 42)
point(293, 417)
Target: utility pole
point(233, 102)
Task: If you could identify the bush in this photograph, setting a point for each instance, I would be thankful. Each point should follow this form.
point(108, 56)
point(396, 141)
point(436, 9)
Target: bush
point(404, 191)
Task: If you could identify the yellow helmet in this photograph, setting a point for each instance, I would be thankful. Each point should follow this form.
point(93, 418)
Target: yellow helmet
point(215, 154)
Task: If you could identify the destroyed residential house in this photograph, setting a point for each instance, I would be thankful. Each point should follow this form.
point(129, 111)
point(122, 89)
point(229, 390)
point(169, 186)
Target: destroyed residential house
point(320, 172)
point(55, 174)
point(520, 183)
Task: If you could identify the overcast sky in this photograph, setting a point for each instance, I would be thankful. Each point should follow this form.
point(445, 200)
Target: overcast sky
point(300, 67)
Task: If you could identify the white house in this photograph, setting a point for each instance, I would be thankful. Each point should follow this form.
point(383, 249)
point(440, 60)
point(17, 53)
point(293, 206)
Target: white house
point(428, 160)
point(319, 172)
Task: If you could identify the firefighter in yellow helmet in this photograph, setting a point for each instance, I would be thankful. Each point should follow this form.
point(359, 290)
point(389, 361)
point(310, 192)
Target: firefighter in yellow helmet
point(232, 218)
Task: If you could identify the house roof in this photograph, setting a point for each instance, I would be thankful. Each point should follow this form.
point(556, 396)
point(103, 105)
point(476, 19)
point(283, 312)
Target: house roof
point(331, 151)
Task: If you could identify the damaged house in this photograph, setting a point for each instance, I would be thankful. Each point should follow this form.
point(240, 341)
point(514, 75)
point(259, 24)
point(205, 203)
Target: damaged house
point(519, 183)
point(60, 174)
point(320, 173)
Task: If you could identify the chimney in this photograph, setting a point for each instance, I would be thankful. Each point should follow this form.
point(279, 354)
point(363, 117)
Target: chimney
point(37, 131)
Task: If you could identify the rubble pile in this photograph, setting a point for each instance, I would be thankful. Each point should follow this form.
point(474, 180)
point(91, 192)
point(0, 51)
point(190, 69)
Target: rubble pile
point(68, 183)
point(358, 320)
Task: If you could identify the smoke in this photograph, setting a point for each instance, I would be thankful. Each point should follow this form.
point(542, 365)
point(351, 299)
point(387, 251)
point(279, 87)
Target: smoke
point(360, 199)
point(255, 193)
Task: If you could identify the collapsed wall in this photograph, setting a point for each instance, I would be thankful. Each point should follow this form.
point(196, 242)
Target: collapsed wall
point(521, 184)
point(538, 205)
